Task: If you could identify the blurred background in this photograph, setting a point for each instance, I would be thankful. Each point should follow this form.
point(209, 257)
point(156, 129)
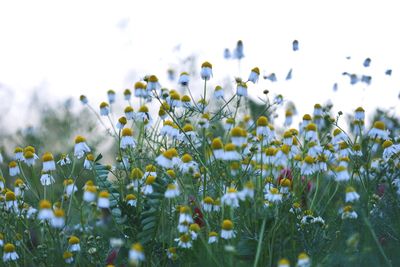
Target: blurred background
point(51, 52)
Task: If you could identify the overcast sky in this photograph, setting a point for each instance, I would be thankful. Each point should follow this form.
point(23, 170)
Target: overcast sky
point(87, 47)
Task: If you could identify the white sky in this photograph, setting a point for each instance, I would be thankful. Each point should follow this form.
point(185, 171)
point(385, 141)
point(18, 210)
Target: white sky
point(87, 47)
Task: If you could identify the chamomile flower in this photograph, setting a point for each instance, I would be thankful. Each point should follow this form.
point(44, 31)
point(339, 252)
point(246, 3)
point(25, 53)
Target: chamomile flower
point(147, 189)
point(10, 253)
point(171, 253)
point(169, 129)
point(122, 121)
point(88, 162)
point(129, 113)
point(74, 244)
point(338, 136)
point(206, 71)
point(48, 162)
point(230, 153)
point(351, 194)
point(143, 114)
point(303, 260)
point(204, 121)
point(218, 92)
point(283, 263)
point(45, 211)
point(262, 126)
point(127, 139)
point(103, 201)
point(285, 184)
point(356, 150)
point(308, 167)
point(184, 215)
point(104, 109)
point(153, 84)
point(207, 203)
point(184, 241)
point(184, 79)
point(29, 156)
point(127, 94)
point(186, 101)
point(89, 194)
point(231, 197)
point(238, 136)
point(84, 100)
point(349, 213)
point(342, 174)
point(288, 118)
point(188, 165)
point(68, 257)
point(359, 114)
point(64, 160)
point(80, 147)
point(311, 133)
point(140, 90)
point(11, 201)
point(18, 154)
point(111, 96)
point(247, 191)
point(174, 99)
point(194, 230)
point(172, 191)
point(136, 253)
point(254, 75)
point(273, 195)
point(212, 237)
point(217, 148)
point(238, 52)
point(150, 170)
point(46, 179)
point(69, 187)
point(229, 123)
point(389, 149)
point(241, 89)
point(217, 205)
point(379, 131)
point(306, 121)
point(227, 231)
point(167, 158)
point(189, 135)
point(131, 200)
point(13, 168)
point(58, 220)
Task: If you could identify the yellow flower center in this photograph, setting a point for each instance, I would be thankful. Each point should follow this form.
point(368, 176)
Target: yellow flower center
point(73, 240)
point(150, 180)
point(379, 125)
point(217, 144)
point(139, 85)
point(187, 158)
point(104, 194)
point(127, 132)
point(47, 157)
point(45, 204)
point(137, 247)
point(130, 197)
point(206, 65)
point(80, 139)
point(262, 121)
point(8, 248)
point(153, 79)
point(227, 225)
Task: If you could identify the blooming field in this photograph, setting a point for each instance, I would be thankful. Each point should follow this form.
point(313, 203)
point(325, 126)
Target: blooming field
point(207, 182)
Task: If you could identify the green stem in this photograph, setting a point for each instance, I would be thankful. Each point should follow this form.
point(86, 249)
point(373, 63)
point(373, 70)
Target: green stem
point(260, 242)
